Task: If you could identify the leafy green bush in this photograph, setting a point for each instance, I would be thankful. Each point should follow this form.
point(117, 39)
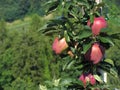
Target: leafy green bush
point(25, 59)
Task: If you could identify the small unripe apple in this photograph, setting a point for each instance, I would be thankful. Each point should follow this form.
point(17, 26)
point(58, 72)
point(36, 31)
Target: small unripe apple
point(98, 24)
point(70, 53)
point(59, 45)
point(95, 54)
point(87, 78)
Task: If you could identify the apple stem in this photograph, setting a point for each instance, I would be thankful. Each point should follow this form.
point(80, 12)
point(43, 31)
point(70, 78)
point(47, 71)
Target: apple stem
point(94, 38)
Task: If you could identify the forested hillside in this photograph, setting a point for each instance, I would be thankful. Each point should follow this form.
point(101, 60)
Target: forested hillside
point(17, 9)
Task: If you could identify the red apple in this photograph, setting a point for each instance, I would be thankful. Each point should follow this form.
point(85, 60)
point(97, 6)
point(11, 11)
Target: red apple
point(95, 54)
point(59, 45)
point(98, 24)
point(87, 78)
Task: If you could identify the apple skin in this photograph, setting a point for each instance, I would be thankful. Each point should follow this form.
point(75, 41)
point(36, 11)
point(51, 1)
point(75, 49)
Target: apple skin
point(87, 78)
point(95, 54)
point(98, 24)
point(59, 45)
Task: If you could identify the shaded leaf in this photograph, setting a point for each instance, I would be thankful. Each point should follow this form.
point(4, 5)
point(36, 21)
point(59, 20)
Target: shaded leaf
point(91, 19)
point(52, 5)
point(85, 34)
point(86, 47)
point(115, 35)
point(106, 40)
point(68, 65)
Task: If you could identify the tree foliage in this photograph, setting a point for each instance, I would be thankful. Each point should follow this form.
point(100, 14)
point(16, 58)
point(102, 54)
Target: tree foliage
point(25, 58)
point(71, 24)
point(17, 9)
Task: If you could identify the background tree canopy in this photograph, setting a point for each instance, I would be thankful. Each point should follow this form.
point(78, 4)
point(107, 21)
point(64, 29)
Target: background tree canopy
point(14, 9)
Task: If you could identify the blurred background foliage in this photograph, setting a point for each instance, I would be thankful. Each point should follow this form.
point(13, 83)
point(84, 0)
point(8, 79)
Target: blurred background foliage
point(26, 58)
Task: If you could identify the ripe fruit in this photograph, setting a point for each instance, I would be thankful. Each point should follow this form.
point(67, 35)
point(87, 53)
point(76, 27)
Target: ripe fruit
point(98, 24)
point(59, 45)
point(87, 78)
point(95, 54)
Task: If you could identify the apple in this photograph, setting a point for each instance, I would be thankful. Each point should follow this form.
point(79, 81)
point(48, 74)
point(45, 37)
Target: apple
point(95, 54)
point(87, 78)
point(70, 53)
point(98, 24)
point(59, 45)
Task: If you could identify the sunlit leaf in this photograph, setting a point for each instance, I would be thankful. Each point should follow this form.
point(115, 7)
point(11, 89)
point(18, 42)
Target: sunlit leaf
point(113, 72)
point(109, 61)
point(66, 36)
point(101, 4)
point(66, 81)
point(42, 87)
point(98, 78)
point(56, 82)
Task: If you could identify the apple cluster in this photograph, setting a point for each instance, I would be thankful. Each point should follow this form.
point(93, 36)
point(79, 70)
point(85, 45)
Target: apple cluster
point(94, 54)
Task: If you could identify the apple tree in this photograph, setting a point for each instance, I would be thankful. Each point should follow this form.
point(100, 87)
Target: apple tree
point(81, 38)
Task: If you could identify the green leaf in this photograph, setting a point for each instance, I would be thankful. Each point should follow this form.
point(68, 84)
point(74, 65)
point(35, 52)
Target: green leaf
point(106, 40)
point(68, 65)
point(105, 30)
point(81, 66)
point(66, 81)
point(55, 88)
point(115, 35)
point(109, 61)
point(52, 5)
point(100, 4)
point(83, 34)
point(113, 72)
point(49, 83)
point(91, 19)
point(79, 82)
point(86, 47)
point(42, 87)
point(59, 20)
point(56, 82)
point(98, 78)
point(66, 36)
